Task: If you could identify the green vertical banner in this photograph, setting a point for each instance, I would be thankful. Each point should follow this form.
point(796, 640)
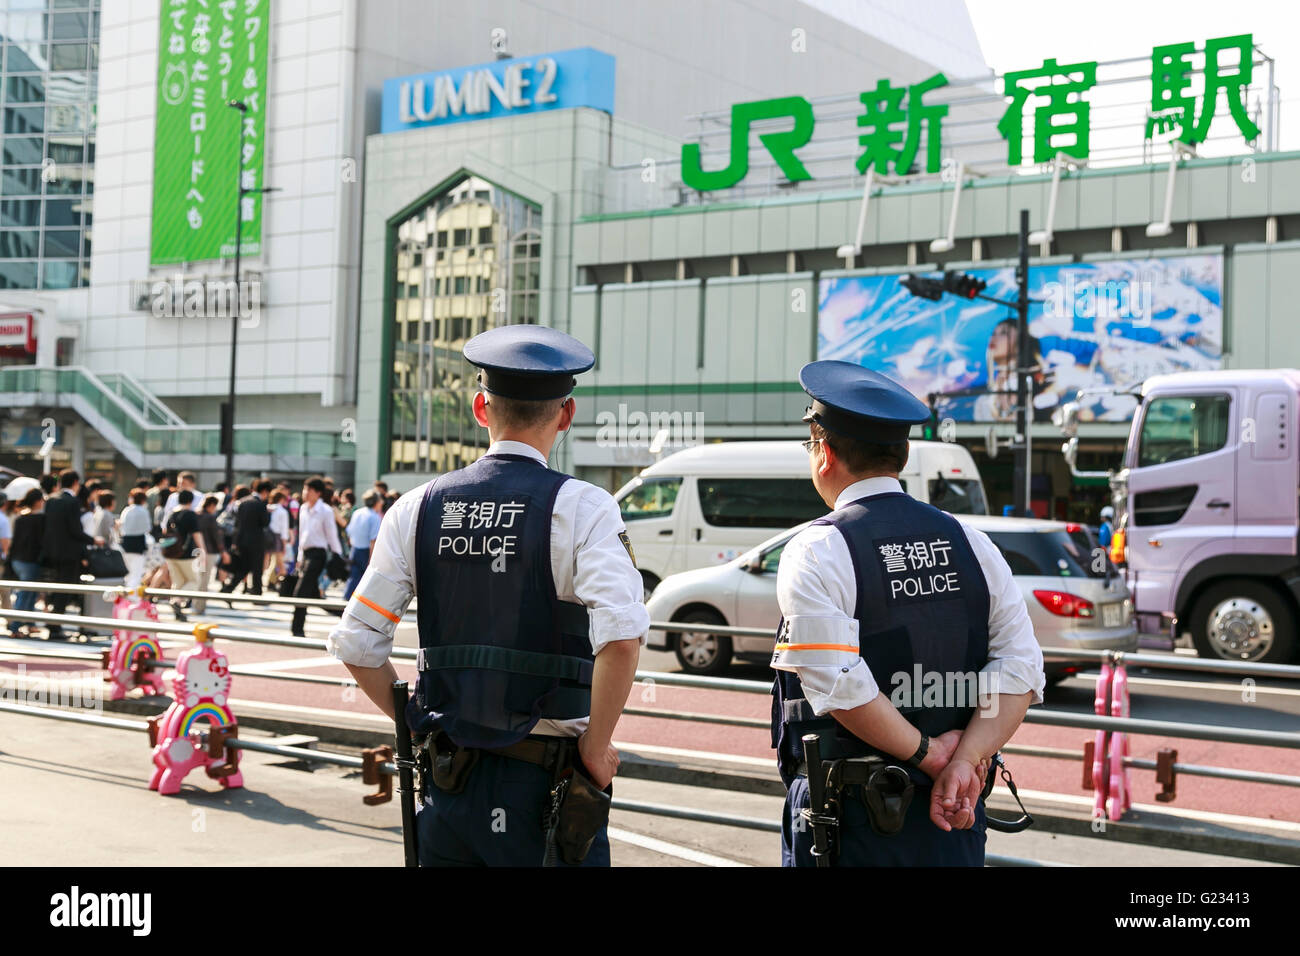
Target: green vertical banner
point(209, 53)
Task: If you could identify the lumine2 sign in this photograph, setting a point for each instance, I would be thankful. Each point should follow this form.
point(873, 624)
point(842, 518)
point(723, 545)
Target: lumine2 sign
point(581, 77)
point(893, 116)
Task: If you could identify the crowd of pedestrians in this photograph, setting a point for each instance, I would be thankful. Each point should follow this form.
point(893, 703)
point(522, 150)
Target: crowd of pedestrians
point(263, 535)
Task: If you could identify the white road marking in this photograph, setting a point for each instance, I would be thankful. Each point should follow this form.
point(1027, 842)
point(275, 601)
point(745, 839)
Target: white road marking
point(670, 849)
point(1207, 815)
point(289, 664)
point(700, 754)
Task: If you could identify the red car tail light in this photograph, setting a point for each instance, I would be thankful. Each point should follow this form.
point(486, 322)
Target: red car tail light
point(1063, 604)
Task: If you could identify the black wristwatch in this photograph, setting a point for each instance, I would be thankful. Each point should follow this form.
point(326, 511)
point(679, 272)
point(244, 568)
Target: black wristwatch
point(922, 749)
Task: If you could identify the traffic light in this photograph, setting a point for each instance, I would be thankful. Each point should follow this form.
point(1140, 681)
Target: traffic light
point(962, 284)
point(930, 429)
point(922, 287)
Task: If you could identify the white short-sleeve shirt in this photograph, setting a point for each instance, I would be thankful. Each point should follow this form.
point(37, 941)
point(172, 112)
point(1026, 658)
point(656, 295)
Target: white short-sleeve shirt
point(817, 592)
point(589, 564)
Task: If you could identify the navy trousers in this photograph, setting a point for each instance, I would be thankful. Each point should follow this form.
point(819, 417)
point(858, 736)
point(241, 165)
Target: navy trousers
point(919, 843)
point(495, 821)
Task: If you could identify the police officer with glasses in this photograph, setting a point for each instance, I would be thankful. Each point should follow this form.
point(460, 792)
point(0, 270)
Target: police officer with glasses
point(883, 593)
point(530, 624)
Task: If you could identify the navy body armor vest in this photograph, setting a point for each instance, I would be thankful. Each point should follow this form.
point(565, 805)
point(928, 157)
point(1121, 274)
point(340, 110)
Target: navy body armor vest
point(922, 609)
point(498, 650)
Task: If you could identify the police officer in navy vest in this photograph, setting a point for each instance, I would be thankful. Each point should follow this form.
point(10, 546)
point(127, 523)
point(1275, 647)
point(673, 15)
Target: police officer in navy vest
point(879, 600)
point(530, 623)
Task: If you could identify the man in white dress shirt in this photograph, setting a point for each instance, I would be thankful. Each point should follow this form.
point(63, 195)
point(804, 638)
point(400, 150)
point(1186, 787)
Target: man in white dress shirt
point(530, 620)
point(903, 637)
point(318, 535)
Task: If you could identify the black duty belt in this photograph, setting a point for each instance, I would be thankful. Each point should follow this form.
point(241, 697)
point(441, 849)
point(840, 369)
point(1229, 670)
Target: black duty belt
point(851, 772)
point(542, 751)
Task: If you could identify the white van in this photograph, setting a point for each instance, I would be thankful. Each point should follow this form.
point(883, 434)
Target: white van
point(709, 504)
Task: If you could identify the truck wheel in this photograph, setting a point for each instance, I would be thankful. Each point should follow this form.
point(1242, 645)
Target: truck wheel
point(698, 653)
point(648, 584)
point(1243, 620)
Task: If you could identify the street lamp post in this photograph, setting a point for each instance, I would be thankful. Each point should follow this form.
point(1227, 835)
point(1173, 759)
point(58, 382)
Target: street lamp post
point(228, 409)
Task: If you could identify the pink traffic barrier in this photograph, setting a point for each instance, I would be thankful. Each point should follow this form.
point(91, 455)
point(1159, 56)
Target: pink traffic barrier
point(1101, 705)
point(200, 691)
point(1110, 777)
point(127, 659)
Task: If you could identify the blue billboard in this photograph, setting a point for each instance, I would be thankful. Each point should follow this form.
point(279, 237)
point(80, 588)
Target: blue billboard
point(1092, 324)
point(552, 81)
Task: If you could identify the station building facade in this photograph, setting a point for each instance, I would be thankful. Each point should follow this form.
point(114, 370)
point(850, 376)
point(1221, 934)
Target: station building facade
point(122, 386)
point(701, 309)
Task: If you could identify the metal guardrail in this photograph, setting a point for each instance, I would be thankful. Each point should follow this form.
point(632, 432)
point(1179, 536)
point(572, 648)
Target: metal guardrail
point(121, 589)
point(1135, 658)
point(1133, 725)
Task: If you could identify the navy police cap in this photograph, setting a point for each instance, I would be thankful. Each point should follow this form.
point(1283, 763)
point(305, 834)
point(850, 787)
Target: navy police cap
point(528, 362)
point(856, 402)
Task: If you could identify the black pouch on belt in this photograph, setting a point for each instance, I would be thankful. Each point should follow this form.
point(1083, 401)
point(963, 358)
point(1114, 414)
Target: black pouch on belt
point(452, 765)
point(584, 810)
point(887, 794)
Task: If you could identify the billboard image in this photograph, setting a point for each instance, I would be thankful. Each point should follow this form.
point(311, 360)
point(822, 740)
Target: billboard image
point(208, 56)
point(1093, 324)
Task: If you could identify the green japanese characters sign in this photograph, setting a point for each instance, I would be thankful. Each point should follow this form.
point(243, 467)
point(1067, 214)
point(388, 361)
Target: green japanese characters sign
point(210, 52)
point(1045, 105)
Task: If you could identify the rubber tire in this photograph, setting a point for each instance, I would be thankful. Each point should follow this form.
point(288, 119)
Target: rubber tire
point(1283, 650)
point(648, 584)
point(721, 661)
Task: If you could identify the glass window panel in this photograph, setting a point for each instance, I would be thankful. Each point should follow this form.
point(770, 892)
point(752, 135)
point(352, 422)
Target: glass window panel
point(62, 243)
point(27, 119)
point(94, 54)
point(65, 149)
point(69, 26)
point(758, 502)
point(20, 212)
point(61, 275)
point(23, 151)
point(26, 26)
point(66, 181)
point(68, 56)
point(21, 182)
point(17, 275)
point(73, 88)
point(18, 243)
point(85, 246)
point(65, 118)
point(24, 89)
point(1177, 428)
point(62, 212)
point(29, 57)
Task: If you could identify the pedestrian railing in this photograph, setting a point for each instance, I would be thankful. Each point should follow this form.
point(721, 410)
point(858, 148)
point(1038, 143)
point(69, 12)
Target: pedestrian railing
point(375, 763)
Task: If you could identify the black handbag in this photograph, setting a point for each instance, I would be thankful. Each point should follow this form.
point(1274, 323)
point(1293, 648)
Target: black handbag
point(106, 562)
point(288, 584)
point(336, 567)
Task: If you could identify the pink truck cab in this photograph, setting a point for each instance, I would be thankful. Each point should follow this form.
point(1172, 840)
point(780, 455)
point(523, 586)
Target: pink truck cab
point(1210, 491)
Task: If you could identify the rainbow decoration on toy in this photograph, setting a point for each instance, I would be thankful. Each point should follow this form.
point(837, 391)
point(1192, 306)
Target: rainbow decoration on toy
point(125, 659)
point(200, 690)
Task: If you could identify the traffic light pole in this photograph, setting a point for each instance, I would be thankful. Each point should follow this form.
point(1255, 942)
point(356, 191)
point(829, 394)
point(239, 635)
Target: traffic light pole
point(1024, 415)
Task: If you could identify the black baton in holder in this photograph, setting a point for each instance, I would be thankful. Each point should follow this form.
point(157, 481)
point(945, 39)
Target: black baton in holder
point(405, 773)
point(816, 813)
